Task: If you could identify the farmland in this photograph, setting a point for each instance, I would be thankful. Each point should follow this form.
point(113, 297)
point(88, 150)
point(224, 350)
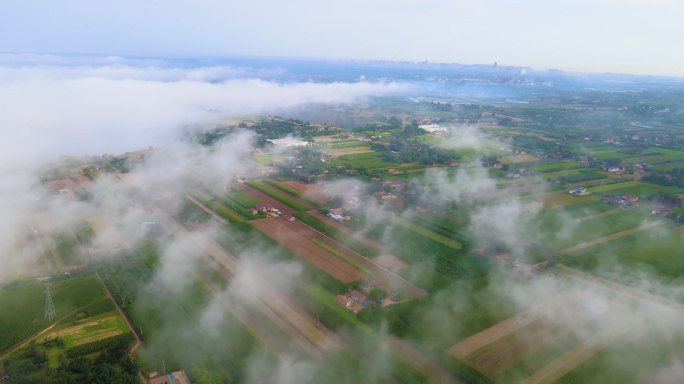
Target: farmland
point(297, 237)
point(86, 324)
point(23, 305)
point(458, 235)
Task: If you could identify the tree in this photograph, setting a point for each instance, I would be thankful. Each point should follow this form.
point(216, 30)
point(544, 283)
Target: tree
point(376, 295)
point(210, 371)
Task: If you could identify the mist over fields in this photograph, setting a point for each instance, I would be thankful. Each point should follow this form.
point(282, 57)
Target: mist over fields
point(57, 106)
point(62, 107)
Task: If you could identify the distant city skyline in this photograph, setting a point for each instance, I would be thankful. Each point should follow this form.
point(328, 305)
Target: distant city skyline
point(617, 36)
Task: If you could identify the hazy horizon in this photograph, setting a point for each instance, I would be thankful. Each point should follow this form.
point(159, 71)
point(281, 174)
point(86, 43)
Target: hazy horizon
point(606, 36)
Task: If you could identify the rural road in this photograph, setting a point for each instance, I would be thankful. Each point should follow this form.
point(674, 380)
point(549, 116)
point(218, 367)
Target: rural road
point(611, 237)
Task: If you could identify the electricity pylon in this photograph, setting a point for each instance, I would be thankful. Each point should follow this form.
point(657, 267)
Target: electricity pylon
point(49, 306)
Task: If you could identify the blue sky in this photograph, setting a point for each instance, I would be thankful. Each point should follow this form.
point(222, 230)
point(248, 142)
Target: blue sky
point(626, 36)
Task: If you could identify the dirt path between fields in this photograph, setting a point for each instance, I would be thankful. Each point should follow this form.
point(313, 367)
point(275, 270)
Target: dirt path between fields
point(420, 362)
point(614, 236)
point(557, 368)
point(474, 343)
point(44, 331)
point(591, 217)
point(207, 210)
point(138, 341)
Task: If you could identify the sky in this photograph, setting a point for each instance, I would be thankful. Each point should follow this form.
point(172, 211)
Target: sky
point(620, 36)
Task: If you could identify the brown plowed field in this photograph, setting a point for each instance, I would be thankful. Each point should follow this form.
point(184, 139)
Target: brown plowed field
point(266, 199)
point(346, 230)
point(297, 237)
point(312, 191)
point(293, 320)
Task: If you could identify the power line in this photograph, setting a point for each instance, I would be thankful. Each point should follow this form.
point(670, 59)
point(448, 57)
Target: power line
point(50, 312)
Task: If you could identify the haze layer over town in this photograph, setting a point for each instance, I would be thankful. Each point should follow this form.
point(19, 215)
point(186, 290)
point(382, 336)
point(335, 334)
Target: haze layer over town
point(342, 192)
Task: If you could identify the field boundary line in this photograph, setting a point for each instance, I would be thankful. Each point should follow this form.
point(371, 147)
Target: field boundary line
point(40, 333)
point(138, 341)
point(611, 237)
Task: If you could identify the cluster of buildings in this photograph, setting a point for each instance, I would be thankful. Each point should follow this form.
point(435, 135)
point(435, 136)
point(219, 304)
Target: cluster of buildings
point(353, 301)
point(623, 201)
point(267, 209)
point(178, 377)
point(338, 215)
point(288, 142)
point(433, 128)
point(357, 299)
point(579, 191)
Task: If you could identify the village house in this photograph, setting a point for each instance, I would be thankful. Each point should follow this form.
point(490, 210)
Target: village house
point(178, 377)
point(353, 301)
point(579, 191)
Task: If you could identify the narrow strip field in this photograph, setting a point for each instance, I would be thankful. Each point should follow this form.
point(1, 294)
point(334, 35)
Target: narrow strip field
point(429, 234)
point(556, 369)
point(298, 237)
point(287, 315)
point(470, 345)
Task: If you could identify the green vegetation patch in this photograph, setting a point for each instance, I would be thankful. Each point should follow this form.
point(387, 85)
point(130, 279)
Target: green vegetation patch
point(294, 193)
point(363, 160)
point(552, 167)
point(22, 305)
point(429, 234)
point(341, 255)
point(280, 196)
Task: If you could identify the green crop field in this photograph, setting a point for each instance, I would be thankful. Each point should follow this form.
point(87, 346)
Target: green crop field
point(430, 234)
point(555, 174)
point(658, 247)
point(655, 156)
point(280, 196)
point(365, 160)
point(553, 167)
point(640, 189)
point(22, 305)
point(294, 192)
point(611, 154)
point(243, 198)
point(341, 255)
point(561, 232)
point(344, 143)
point(611, 187)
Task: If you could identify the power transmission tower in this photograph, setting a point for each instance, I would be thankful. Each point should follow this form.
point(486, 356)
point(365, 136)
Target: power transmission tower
point(49, 306)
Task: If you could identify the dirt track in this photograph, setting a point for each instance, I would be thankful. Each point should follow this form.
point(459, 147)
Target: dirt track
point(137, 343)
point(509, 351)
point(207, 210)
point(556, 369)
point(614, 236)
point(420, 362)
point(297, 237)
point(468, 346)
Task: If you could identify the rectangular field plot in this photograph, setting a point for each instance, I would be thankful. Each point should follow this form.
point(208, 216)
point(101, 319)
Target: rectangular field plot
point(22, 305)
point(298, 237)
point(565, 336)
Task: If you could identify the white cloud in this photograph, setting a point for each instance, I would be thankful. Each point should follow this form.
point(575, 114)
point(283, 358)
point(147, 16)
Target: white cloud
point(50, 110)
